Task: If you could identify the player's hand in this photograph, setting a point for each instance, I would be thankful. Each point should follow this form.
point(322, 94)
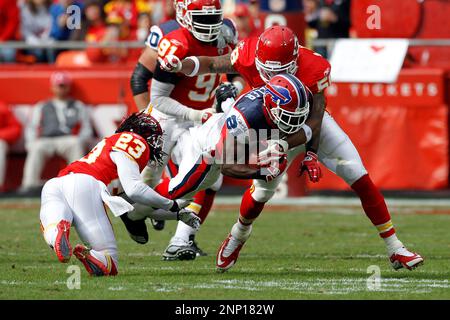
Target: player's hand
point(200, 115)
point(170, 63)
point(224, 91)
point(206, 114)
point(311, 165)
point(275, 150)
point(275, 169)
point(190, 218)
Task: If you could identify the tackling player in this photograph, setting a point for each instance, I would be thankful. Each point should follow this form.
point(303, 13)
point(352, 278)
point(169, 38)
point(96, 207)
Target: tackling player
point(77, 196)
point(257, 59)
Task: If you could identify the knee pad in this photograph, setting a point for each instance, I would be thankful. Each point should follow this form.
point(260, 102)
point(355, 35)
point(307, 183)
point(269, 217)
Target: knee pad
point(262, 194)
point(350, 170)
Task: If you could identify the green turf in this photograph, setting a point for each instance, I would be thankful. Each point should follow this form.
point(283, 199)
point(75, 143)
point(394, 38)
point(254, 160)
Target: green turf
point(308, 255)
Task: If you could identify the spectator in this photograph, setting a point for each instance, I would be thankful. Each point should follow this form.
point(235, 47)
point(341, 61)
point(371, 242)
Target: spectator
point(58, 10)
point(245, 23)
point(331, 19)
point(144, 24)
point(10, 132)
point(9, 25)
point(59, 126)
point(36, 22)
point(93, 26)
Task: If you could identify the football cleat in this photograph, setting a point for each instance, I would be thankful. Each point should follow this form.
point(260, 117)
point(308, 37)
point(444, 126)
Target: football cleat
point(178, 249)
point(136, 229)
point(228, 253)
point(93, 266)
point(62, 248)
point(403, 258)
point(199, 252)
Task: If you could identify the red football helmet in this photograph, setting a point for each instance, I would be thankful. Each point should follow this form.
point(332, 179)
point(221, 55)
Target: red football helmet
point(148, 128)
point(179, 12)
point(286, 102)
point(276, 52)
point(203, 18)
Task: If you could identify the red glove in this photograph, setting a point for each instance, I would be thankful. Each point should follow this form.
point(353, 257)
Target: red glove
point(311, 164)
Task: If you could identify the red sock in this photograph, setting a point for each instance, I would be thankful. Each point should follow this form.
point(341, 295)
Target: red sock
point(374, 205)
point(250, 208)
point(208, 200)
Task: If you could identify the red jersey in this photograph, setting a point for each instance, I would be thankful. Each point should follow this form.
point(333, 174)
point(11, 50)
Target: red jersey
point(313, 69)
point(194, 92)
point(98, 163)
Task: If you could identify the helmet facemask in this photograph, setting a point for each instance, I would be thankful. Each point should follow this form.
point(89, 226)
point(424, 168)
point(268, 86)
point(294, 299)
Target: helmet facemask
point(270, 69)
point(205, 25)
point(287, 121)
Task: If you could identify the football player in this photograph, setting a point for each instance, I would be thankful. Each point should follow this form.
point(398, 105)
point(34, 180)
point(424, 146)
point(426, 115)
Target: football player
point(179, 102)
point(257, 59)
point(77, 195)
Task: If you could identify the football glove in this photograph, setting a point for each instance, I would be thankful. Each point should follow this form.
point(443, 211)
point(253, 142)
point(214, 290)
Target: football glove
point(311, 165)
point(274, 151)
point(190, 218)
point(224, 91)
point(170, 63)
point(273, 170)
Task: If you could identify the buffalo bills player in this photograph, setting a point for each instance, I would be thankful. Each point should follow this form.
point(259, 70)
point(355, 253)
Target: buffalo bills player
point(77, 196)
point(257, 119)
point(257, 59)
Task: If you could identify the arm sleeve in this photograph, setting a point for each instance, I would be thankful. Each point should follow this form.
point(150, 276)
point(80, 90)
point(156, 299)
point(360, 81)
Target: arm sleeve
point(134, 187)
point(160, 99)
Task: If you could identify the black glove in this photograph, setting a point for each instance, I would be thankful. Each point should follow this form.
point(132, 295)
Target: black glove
point(223, 92)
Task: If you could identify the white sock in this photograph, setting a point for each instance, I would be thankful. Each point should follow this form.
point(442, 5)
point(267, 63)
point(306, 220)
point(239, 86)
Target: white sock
point(240, 231)
point(392, 243)
point(183, 231)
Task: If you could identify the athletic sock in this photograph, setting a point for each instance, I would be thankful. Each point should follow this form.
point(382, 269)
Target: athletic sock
point(376, 210)
point(241, 231)
point(183, 231)
point(250, 208)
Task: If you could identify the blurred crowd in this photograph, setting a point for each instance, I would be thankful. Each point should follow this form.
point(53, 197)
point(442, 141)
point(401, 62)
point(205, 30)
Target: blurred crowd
point(46, 21)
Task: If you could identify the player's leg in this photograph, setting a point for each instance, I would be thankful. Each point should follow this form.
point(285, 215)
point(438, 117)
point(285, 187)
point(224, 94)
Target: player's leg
point(195, 173)
point(252, 204)
point(56, 219)
point(3, 154)
point(338, 154)
point(201, 204)
point(99, 253)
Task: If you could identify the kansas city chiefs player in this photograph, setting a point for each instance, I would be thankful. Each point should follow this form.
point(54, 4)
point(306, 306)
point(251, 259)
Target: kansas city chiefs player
point(77, 195)
point(257, 59)
point(143, 73)
point(179, 102)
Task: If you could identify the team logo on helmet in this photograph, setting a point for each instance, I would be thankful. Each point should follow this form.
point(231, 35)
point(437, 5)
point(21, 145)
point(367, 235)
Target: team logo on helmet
point(280, 95)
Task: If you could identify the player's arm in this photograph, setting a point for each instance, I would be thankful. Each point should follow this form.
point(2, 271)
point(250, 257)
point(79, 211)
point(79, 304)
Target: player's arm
point(192, 66)
point(162, 86)
point(142, 74)
point(134, 187)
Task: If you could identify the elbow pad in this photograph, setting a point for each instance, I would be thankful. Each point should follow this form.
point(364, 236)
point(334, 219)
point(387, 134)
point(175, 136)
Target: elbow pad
point(139, 79)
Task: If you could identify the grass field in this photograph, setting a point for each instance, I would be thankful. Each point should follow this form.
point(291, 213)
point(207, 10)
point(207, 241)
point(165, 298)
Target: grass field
point(295, 252)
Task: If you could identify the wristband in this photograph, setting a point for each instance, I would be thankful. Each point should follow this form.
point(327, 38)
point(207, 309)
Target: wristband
point(308, 132)
point(196, 66)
